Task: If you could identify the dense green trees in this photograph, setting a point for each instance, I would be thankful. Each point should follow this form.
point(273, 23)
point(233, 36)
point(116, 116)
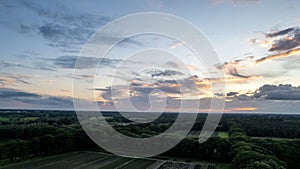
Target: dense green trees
point(16, 149)
point(214, 148)
point(285, 150)
point(50, 132)
point(266, 125)
point(246, 155)
point(11, 149)
point(28, 133)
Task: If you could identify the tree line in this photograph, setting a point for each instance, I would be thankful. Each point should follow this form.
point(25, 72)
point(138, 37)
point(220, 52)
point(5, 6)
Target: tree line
point(57, 133)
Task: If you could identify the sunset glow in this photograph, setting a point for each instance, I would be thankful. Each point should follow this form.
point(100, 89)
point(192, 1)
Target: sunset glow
point(259, 59)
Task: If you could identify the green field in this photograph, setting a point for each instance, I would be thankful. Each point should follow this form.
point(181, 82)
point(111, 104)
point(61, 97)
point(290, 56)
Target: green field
point(116, 163)
point(223, 134)
point(30, 118)
point(7, 119)
point(39, 162)
point(4, 119)
point(97, 160)
point(196, 133)
point(137, 164)
point(223, 166)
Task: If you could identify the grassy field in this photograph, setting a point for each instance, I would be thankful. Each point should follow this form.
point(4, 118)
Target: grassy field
point(223, 134)
point(40, 162)
point(223, 166)
point(138, 164)
point(196, 133)
point(82, 160)
point(117, 163)
point(4, 119)
point(98, 160)
point(30, 118)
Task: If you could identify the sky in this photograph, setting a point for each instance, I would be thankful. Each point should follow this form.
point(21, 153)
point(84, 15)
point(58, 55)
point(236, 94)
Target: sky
point(257, 42)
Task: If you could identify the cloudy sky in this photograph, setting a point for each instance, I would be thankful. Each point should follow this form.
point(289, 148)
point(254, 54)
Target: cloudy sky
point(257, 41)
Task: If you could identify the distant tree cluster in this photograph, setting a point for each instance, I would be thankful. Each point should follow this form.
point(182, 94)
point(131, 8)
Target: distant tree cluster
point(282, 126)
point(246, 155)
point(45, 134)
point(30, 133)
point(285, 150)
point(24, 141)
point(215, 148)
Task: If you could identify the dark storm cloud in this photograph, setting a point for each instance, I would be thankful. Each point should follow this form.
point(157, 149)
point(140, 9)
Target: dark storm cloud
point(70, 62)
point(291, 41)
point(270, 92)
point(280, 92)
point(12, 95)
point(232, 93)
point(279, 33)
point(164, 73)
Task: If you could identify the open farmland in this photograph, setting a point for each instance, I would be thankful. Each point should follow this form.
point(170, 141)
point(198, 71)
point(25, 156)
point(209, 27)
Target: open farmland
point(37, 139)
point(98, 160)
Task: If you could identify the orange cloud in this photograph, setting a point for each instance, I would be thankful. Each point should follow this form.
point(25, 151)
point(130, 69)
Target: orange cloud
point(233, 68)
point(177, 45)
point(208, 81)
point(279, 55)
point(263, 43)
point(191, 67)
point(243, 109)
point(48, 81)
